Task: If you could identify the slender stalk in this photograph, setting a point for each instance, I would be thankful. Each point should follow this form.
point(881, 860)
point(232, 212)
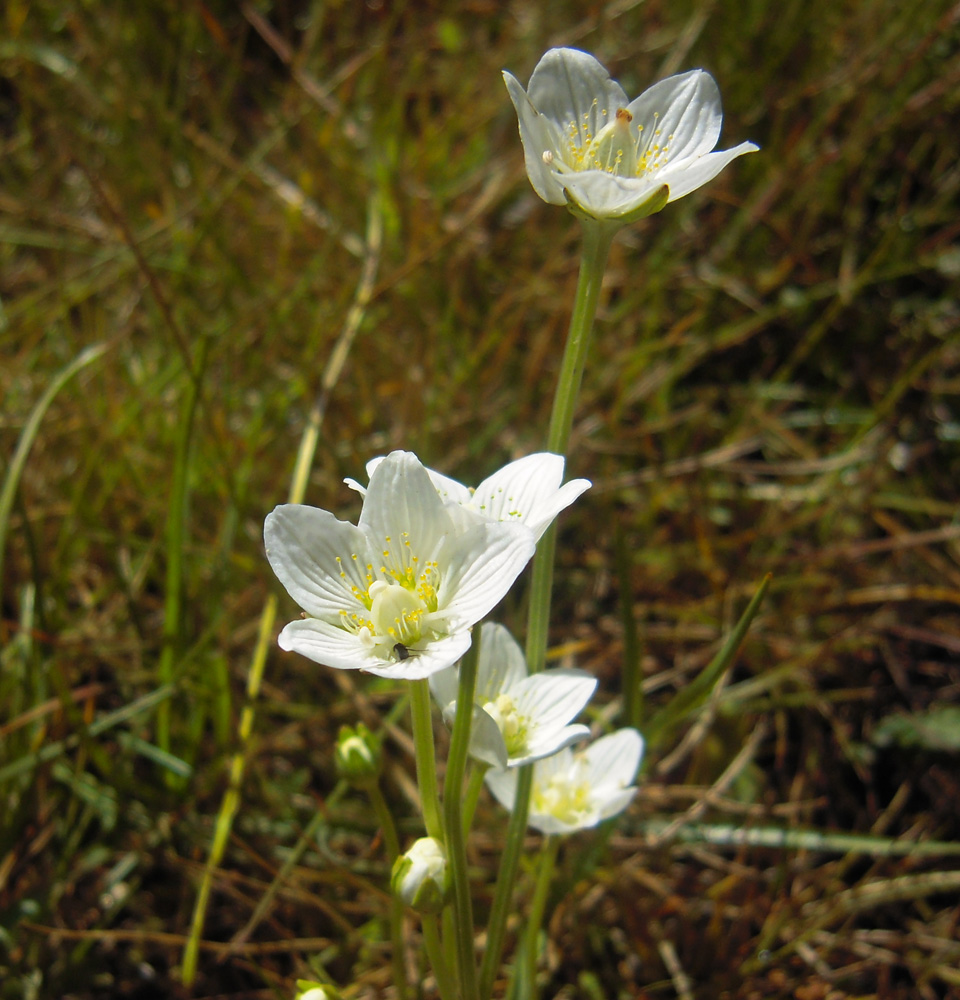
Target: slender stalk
point(525, 975)
point(453, 817)
point(446, 984)
point(597, 237)
point(392, 843)
point(474, 787)
point(426, 759)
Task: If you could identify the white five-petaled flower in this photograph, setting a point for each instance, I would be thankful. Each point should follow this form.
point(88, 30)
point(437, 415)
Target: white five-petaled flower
point(397, 593)
point(575, 791)
point(587, 145)
point(526, 491)
point(517, 719)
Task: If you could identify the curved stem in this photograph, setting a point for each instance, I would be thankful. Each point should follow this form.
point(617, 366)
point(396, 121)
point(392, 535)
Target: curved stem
point(453, 818)
point(597, 238)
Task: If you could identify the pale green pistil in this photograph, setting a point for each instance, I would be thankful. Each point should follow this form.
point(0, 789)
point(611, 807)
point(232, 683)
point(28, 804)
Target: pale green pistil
point(396, 612)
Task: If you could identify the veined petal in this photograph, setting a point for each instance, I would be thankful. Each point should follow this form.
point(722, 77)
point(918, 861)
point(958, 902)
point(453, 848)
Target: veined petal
point(444, 685)
point(615, 803)
point(538, 137)
point(571, 87)
point(503, 786)
point(546, 823)
point(480, 566)
point(685, 177)
point(546, 742)
point(325, 643)
point(449, 489)
point(681, 114)
point(610, 196)
point(502, 663)
point(424, 660)
point(486, 740)
point(613, 760)
point(528, 491)
point(401, 499)
point(303, 547)
point(554, 697)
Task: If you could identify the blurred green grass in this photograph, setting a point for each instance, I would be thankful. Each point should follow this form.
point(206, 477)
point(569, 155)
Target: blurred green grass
point(773, 388)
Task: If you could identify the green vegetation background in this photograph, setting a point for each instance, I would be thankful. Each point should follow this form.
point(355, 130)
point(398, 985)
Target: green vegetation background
point(773, 387)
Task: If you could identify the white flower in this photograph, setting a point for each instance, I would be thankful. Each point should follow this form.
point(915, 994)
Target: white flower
point(526, 491)
point(517, 719)
point(397, 593)
point(577, 791)
point(585, 143)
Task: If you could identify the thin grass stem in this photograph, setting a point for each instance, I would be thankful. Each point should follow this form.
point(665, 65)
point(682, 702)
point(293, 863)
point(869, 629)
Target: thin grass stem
point(305, 454)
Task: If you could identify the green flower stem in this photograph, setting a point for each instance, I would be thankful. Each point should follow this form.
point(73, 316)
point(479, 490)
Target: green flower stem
point(426, 758)
point(525, 976)
point(597, 238)
point(392, 843)
point(474, 787)
point(453, 817)
point(431, 942)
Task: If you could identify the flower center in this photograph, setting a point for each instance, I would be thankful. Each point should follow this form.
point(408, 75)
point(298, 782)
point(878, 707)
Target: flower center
point(396, 612)
point(393, 602)
point(618, 148)
point(511, 723)
point(562, 797)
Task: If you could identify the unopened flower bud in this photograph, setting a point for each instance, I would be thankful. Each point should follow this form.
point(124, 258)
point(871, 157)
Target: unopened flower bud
point(358, 757)
point(309, 990)
point(421, 877)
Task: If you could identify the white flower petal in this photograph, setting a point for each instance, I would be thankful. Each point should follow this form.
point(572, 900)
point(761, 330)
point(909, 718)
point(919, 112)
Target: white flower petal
point(613, 760)
point(538, 137)
point(355, 486)
point(552, 698)
point(401, 500)
point(681, 113)
point(503, 786)
point(609, 195)
point(486, 740)
point(449, 489)
point(548, 742)
point(480, 566)
point(529, 491)
point(548, 824)
point(683, 178)
point(324, 643)
point(571, 87)
point(615, 803)
point(444, 685)
point(336, 647)
point(502, 663)
point(303, 545)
